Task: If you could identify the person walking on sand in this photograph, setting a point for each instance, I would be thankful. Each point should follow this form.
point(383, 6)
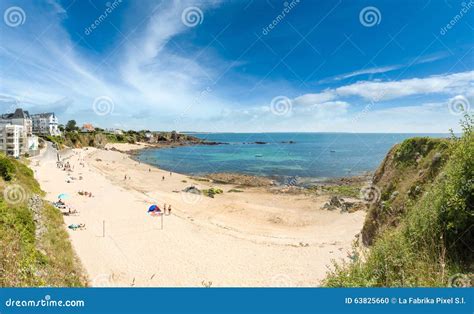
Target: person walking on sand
point(125, 177)
point(163, 178)
point(164, 209)
point(171, 174)
point(169, 209)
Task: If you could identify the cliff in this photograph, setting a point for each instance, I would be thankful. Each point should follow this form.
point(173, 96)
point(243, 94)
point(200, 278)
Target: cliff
point(419, 227)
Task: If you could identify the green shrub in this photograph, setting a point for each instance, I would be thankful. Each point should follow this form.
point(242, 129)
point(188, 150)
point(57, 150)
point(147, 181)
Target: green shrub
point(6, 168)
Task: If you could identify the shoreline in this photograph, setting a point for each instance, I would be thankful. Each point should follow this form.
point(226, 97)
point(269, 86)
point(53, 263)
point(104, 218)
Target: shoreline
point(233, 177)
point(249, 238)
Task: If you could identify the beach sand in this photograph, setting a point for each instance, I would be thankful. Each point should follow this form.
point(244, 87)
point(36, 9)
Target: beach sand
point(253, 238)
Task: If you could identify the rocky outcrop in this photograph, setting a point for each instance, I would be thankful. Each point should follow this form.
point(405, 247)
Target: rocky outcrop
point(338, 203)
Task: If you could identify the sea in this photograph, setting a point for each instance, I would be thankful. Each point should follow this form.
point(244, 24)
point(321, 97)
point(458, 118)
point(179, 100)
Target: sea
point(280, 155)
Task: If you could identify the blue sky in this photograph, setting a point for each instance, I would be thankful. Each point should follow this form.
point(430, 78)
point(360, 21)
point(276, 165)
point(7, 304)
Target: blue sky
point(351, 66)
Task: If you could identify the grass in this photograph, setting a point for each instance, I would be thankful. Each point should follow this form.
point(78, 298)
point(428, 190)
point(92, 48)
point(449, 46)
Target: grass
point(211, 192)
point(431, 242)
point(235, 191)
point(27, 258)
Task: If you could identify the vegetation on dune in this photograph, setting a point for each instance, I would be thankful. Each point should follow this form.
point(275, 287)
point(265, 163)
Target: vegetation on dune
point(419, 236)
point(212, 191)
point(34, 246)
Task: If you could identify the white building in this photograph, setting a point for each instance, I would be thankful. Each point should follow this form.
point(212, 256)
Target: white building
point(45, 124)
point(19, 117)
point(114, 131)
point(13, 140)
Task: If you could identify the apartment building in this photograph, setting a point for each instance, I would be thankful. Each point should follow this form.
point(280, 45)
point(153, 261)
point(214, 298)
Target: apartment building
point(45, 124)
point(19, 117)
point(13, 140)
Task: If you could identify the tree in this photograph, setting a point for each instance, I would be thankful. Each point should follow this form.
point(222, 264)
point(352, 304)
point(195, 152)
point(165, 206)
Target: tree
point(71, 125)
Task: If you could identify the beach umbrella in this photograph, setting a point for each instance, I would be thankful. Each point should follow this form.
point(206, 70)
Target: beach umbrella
point(153, 208)
point(63, 196)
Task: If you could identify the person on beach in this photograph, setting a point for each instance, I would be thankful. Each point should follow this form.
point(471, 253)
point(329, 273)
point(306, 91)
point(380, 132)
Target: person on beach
point(169, 209)
point(149, 169)
point(164, 209)
point(171, 174)
point(125, 177)
point(163, 178)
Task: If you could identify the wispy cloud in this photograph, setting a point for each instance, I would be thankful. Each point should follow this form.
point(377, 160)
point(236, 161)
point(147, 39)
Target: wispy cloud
point(390, 68)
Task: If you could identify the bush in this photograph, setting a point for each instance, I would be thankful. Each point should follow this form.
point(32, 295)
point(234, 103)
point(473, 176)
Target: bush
point(6, 168)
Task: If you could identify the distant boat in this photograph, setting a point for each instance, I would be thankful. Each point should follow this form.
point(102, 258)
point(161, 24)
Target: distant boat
point(332, 151)
point(258, 155)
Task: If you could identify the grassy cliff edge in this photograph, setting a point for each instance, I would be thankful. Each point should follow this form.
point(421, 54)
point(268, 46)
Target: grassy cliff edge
point(420, 230)
point(34, 246)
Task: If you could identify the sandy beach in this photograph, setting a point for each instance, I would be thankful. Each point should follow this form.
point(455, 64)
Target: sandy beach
point(252, 238)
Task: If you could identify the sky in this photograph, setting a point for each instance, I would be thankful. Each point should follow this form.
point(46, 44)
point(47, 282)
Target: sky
point(402, 66)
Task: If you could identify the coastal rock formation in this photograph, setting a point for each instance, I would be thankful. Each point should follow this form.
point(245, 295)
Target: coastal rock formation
point(338, 203)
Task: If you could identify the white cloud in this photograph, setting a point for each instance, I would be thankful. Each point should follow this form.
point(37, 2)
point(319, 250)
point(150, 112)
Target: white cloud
point(374, 70)
point(458, 83)
point(389, 68)
point(311, 99)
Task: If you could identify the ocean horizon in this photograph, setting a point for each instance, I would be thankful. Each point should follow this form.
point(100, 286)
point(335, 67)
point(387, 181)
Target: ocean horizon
point(282, 155)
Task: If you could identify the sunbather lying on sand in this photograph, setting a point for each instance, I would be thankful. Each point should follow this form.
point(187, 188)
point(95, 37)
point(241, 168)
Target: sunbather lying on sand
point(77, 227)
point(71, 212)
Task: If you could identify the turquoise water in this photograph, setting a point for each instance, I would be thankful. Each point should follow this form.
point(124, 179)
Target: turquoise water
point(313, 155)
